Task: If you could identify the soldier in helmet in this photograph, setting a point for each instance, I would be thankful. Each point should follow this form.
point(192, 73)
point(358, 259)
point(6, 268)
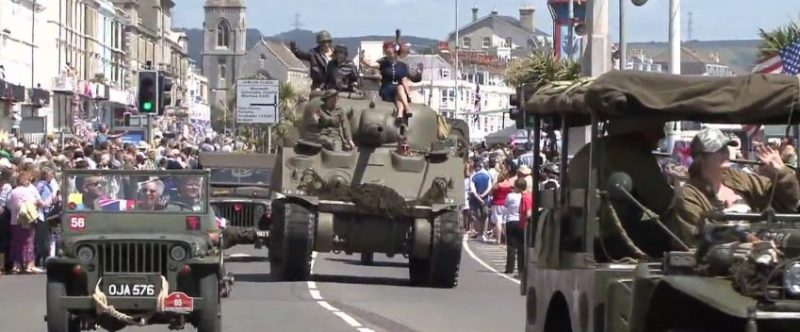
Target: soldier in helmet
point(317, 58)
point(327, 124)
point(342, 74)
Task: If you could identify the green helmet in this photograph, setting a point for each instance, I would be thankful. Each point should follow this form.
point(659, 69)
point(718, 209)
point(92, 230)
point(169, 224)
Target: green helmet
point(323, 36)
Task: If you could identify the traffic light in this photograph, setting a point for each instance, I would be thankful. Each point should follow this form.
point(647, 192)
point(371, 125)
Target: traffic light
point(148, 91)
point(164, 92)
point(517, 111)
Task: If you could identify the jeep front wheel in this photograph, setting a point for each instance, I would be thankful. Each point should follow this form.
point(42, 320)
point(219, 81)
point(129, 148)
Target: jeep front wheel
point(58, 318)
point(209, 316)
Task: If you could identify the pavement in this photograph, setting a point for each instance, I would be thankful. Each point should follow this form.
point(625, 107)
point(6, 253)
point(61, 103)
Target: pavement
point(342, 296)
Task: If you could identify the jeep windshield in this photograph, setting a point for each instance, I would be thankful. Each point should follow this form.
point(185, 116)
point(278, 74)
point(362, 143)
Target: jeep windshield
point(147, 192)
point(240, 176)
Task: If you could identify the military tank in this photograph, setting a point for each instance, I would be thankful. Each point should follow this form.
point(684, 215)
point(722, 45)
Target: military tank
point(398, 192)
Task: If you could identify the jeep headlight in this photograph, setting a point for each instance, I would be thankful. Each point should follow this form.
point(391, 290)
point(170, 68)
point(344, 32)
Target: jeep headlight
point(791, 278)
point(85, 254)
point(178, 253)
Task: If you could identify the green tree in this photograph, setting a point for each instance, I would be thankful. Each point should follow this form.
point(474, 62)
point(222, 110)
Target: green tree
point(541, 67)
point(773, 41)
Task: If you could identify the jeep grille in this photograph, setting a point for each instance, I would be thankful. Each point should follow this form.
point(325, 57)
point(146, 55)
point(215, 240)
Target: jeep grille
point(133, 257)
point(241, 214)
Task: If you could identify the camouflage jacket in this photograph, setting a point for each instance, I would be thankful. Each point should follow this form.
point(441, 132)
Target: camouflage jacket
point(327, 123)
point(696, 197)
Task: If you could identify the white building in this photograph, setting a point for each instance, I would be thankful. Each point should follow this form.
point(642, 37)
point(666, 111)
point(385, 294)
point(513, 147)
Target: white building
point(24, 45)
point(196, 97)
point(438, 90)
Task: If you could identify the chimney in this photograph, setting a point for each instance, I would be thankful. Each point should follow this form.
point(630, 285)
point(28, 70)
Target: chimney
point(526, 17)
point(494, 11)
point(475, 13)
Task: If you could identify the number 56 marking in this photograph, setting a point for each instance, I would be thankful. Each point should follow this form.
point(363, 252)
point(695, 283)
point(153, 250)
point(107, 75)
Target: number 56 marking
point(77, 223)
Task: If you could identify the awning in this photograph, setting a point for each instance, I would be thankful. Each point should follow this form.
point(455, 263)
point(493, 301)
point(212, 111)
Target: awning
point(11, 92)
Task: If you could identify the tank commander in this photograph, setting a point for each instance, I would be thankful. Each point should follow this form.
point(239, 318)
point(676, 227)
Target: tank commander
point(628, 148)
point(317, 58)
point(341, 74)
point(327, 123)
point(714, 185)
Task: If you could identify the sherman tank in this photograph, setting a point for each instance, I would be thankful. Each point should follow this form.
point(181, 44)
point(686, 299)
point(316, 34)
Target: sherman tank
point(397, 192)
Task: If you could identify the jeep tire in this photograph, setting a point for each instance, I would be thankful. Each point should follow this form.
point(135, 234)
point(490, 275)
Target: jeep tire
point(291, 242)
point(58, 318)
point(209, 315)
point(367, 258)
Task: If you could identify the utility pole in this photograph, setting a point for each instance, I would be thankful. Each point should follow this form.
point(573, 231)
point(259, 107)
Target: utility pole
point(571, 31)
point(297, 25)
point(675, 37)
point(623, 47)
point(455, 72)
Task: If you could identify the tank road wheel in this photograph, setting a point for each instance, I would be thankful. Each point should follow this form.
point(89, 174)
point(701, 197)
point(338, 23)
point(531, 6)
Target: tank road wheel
point(441, 269)
point(293, 243)
point(58, 319)
point(367, 258)
point(209, 316)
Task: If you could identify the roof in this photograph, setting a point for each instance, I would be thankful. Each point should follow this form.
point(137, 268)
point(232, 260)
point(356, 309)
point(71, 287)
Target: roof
point(502, 25)
point(236, 160)
point(226, 3)
point(283, 54)
point(748, 99)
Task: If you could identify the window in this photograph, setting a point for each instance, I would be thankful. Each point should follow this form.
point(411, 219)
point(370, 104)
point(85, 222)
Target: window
point(466, 43)
point(509, 42)
point(487, 42)
point(261, 59)
point(223, 34)
point(445, 73)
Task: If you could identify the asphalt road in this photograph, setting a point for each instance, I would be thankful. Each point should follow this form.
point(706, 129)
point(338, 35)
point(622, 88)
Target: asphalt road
point(343, 296)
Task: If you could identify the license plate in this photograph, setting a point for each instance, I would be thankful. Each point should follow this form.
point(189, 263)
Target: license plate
point(132, 285)
point(262, 234)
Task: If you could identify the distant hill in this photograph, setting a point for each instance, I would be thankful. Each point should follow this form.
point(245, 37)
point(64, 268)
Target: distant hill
point(741, 55)
point(305, 39)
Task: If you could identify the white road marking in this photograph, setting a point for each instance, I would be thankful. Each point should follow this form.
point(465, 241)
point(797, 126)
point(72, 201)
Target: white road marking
point(481, 262)
point(316, 295)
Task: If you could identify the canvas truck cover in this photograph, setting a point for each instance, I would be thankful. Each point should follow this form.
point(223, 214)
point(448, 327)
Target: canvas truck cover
point(236, 160)
point(748, 99)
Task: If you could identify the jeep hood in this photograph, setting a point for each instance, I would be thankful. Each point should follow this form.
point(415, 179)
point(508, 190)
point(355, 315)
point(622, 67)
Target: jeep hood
point(716, 292)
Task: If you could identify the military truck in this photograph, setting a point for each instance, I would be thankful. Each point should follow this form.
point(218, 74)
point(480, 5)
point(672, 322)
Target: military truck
point(395, 193)
point(240, 193)
point(571, 286)
point(132, 256)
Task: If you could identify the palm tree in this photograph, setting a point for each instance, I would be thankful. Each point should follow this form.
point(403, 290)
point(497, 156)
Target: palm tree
point(541, 67)
point(774, 41)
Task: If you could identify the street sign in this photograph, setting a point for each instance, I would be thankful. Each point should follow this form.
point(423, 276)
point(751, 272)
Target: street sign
point(257, 101)
point(137, 120)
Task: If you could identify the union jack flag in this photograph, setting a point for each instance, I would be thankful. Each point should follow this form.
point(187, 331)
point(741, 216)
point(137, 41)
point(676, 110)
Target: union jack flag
point(477, 106)
point(113, 204)
point(786, 61)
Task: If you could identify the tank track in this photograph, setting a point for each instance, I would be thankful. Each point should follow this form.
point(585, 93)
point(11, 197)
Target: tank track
point(441, 269)
point(292, 241)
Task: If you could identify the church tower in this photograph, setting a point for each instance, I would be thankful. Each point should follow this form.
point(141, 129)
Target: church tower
point(225, 30)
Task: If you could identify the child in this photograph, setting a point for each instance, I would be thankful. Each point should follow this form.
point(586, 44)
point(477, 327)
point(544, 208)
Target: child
point(515, 231)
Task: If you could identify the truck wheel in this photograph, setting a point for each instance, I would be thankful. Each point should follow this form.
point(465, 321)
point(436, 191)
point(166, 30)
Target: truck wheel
point(295, 243)
point(58, 318)
point(441, 269)
point(367, 258)
point(209, 315)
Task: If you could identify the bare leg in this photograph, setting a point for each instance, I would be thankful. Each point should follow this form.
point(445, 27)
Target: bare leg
point(402, 97)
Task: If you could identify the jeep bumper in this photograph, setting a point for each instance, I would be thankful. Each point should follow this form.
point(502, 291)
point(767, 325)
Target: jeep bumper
point(123, 304)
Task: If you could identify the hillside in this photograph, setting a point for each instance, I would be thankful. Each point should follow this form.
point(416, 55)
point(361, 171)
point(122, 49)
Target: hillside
point(305, 40)
point(739, 54)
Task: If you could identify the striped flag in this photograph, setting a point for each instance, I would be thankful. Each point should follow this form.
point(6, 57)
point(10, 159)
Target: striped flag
point(786, 61)
point(477, 106)
point(113, 204)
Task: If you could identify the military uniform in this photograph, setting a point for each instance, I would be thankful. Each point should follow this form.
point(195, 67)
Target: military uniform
point(329, 127)
point(697, 196)
point(631, 154)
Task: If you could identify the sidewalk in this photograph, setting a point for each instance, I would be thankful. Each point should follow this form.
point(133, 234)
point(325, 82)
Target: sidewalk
point(490, 253)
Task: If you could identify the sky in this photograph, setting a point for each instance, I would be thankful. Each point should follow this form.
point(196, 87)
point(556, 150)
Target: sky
point(711, 19)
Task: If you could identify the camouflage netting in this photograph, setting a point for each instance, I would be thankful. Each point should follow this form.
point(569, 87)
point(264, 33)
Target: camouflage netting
point(369, 199)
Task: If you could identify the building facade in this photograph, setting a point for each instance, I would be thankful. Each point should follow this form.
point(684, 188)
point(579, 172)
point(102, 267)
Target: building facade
point(273, 59)
point(24, 43)
point(693, 63)
point(224, 46)
point(500, 35)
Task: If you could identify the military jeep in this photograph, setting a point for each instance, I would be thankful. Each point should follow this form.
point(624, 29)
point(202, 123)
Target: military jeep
point(132, 256)
point(572, 285)
point(240, 193)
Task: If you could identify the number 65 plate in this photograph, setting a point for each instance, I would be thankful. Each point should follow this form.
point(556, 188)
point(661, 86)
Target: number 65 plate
point(126, 285)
